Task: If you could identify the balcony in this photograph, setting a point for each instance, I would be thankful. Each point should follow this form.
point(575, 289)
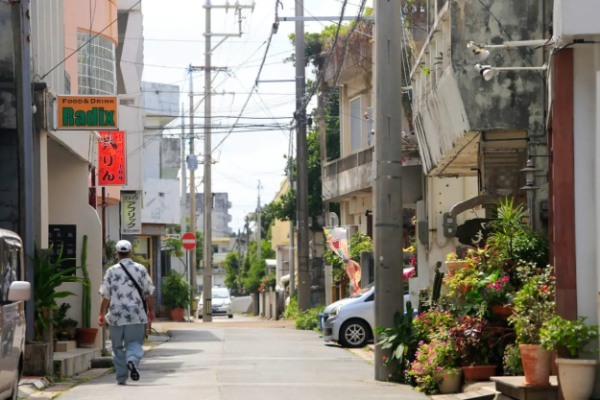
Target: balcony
point(346, 176)
point(454, 108)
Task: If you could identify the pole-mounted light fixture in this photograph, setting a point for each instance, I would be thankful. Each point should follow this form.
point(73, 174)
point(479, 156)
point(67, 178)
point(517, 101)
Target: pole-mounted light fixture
point(487, 72)
point(481, 50)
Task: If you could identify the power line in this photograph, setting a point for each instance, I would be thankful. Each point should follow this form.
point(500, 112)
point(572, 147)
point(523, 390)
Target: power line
point(87, 42)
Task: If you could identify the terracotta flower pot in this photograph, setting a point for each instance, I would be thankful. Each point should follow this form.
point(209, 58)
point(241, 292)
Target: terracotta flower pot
point(177, 314)
point(86, 337)
point(502, 310)
point(454, 266)
point(479, 372)
point(451, 381)
point(536, 364)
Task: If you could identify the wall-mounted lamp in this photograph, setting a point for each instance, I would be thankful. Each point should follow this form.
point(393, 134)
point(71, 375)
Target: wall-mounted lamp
point(488, 72)
point(481, 50)
point(529, 172)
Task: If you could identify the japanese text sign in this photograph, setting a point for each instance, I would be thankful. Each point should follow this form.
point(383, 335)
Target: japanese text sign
point(112, 163)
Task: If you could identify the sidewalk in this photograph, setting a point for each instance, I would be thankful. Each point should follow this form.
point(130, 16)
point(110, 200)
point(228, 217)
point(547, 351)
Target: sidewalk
point(43, 388)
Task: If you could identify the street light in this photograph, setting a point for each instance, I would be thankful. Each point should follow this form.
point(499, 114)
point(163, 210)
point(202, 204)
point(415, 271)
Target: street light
point(488, 72)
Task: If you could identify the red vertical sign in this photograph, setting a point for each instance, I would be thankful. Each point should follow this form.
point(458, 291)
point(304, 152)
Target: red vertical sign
point(112, 165)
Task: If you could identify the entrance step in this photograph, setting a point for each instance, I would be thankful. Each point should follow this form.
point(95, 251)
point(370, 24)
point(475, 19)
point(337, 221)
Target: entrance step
point(513, 388)
point(73, 362)
point(65, 345)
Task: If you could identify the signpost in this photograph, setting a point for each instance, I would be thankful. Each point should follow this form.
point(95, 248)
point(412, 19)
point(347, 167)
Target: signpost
point(188, 241)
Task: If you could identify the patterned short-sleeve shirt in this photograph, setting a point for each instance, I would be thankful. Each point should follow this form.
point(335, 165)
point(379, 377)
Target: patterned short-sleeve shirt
point(125, 301)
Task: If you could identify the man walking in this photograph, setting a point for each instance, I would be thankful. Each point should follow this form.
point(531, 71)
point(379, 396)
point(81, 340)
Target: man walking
point(128, 289)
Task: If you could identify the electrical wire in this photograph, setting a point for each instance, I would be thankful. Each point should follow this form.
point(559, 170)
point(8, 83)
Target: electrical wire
point(87, 42)
point(255, 86)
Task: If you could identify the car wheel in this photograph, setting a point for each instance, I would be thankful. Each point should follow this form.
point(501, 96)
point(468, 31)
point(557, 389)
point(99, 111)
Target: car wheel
point(230, 316)
point(354, 333)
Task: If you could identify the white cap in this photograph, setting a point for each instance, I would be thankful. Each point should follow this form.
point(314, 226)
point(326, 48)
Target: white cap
point(123, 246)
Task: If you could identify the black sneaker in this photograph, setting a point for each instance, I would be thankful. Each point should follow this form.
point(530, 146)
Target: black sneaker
point(133, 372)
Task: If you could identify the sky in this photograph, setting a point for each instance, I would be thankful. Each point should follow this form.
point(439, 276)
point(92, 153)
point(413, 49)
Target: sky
point(248, 163)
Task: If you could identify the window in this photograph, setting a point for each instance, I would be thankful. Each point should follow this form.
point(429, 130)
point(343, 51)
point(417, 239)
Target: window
point(96, 67)
point(356, 124)
point(10, 265)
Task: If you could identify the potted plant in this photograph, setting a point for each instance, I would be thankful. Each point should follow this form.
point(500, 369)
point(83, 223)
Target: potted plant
point(474, 344)
point(497, 291)
point(458, 259)
point(435, 368)
point(176, 292)
point(569, 337)
point(533, 306)
point(49, 276)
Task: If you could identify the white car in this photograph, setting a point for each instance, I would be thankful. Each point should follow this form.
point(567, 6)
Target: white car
point(220, 304)
point(13, 293)
point(351, 321)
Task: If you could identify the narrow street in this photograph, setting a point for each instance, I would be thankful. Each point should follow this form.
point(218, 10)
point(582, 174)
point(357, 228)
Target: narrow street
point(245, 358)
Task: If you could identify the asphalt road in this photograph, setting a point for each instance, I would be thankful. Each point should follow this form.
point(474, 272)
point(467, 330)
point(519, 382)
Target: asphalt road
point(245, 358)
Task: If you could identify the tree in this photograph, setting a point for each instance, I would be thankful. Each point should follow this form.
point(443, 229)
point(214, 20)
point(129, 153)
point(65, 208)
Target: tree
point(255, 269)
point(232, 271)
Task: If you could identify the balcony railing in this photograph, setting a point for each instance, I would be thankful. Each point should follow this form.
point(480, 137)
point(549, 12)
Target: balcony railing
point(348, 175)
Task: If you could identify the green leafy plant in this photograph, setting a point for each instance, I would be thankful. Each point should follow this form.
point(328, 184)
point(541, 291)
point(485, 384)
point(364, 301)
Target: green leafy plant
point(571, 335)
point(309, 319)
point(533, 306)
point(176, 291)
point(400, 339)
point(86, 295)
point(512, 361)
point(49, 276)
point(291, 311)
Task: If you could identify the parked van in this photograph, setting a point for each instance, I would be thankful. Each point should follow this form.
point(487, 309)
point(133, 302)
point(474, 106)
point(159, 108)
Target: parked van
point(13, 294)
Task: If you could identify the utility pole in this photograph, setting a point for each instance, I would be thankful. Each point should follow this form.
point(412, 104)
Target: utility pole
point(192, 165)
point(258, 226)
point(208, 200)
point(388, 174)
point(21, 34)
point(301, 161)
point(207, 276)
point(292, 238)
point(182, 203)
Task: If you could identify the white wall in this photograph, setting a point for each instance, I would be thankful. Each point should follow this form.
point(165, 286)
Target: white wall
point(442, 194)
point(161, 202)
point(586, 183)
point(68, 204)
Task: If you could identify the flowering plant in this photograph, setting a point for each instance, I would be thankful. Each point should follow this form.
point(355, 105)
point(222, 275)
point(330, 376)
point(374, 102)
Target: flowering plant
point(533, 304)
point(497, 289)
point(428, 323)
point(431, 359)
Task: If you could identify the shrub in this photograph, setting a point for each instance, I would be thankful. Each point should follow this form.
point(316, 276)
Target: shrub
point(291, 311)
point(512, 361)
point(309, 319)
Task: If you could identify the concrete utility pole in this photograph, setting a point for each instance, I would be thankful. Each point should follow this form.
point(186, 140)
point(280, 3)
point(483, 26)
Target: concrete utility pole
point(301, 161)
point(208, 199)
point(292, 239)
point(21, 34)
point(192, 165)
point(388, 173)
point(258, 226)
point(207, 276)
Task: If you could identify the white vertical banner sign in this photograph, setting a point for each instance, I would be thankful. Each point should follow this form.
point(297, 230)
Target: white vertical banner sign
point(131, 213)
